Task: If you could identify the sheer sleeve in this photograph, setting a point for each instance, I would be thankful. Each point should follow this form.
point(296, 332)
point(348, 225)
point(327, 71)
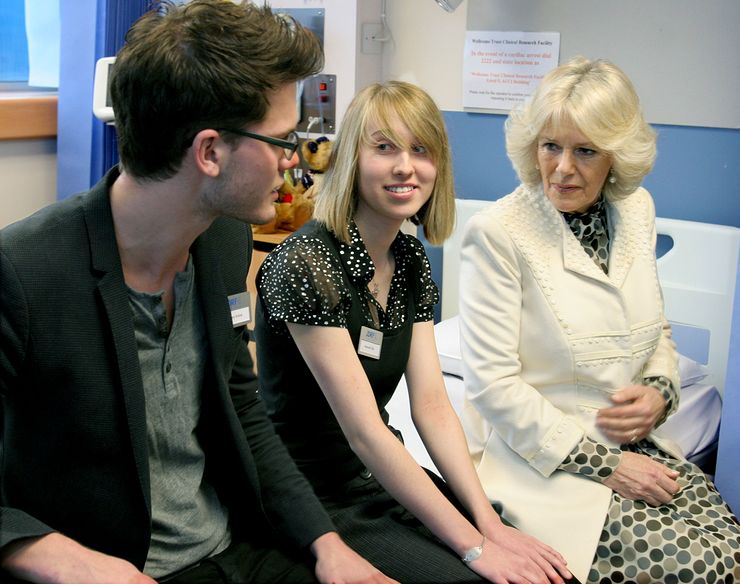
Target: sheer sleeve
point(301, 282)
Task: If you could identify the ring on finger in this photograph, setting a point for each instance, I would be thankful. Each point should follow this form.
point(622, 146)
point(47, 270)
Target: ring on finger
point(634, 435)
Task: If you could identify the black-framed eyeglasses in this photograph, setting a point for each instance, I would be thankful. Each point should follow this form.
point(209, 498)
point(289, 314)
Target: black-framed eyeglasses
point(289, 144)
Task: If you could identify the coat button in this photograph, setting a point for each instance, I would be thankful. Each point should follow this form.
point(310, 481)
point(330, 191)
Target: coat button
point(365, 474)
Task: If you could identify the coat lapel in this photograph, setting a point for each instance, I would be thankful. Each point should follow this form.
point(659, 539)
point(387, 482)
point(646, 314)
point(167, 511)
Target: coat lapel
point(540, 226)
point(622, 225)
point(623, 230)
point(576, 260)
point(106, 263)
point(213, 292)
point(214, 298)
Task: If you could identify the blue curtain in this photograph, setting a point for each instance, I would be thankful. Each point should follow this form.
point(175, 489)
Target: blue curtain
point(86, 147)
point(120, 15)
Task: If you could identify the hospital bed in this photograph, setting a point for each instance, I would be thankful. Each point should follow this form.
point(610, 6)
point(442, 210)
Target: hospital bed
point(697, 269)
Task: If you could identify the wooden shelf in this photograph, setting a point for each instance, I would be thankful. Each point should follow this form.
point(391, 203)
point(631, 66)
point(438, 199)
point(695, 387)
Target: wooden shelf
point(28, 117)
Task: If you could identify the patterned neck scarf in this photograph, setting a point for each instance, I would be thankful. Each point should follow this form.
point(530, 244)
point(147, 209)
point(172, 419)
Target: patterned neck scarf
point(591, 229)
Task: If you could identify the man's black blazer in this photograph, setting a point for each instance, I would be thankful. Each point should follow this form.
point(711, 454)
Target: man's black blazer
point(73, 444)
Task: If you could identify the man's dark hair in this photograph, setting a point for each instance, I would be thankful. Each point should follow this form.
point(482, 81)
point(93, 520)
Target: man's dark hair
point(205, 64)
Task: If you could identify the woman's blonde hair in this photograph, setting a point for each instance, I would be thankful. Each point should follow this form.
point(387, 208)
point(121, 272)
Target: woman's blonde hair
point(382, 104)
point(600, 100)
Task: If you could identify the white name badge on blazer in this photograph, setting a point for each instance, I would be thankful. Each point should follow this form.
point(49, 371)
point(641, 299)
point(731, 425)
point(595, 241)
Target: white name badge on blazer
point(241, 309)
point(371, 341)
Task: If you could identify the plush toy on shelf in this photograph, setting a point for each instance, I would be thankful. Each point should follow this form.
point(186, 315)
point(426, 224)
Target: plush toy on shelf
point(295, 201)
point(316, 154)
point(290, 196)
point(295, 206)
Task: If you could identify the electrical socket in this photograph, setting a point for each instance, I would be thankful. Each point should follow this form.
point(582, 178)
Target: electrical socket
point(370, 32)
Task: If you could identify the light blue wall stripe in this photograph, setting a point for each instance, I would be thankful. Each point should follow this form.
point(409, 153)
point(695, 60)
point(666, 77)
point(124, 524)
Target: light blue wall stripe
point(696, 176)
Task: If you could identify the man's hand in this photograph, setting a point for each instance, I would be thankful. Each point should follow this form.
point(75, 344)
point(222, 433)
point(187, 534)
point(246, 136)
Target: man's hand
point(57, 559)
point(337, 563)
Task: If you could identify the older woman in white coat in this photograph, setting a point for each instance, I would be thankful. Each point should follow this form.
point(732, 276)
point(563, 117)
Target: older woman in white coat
point(569, 364)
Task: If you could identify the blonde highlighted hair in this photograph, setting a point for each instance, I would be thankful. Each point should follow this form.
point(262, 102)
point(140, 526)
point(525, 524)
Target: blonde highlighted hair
point(381, 105)
point(600, 100)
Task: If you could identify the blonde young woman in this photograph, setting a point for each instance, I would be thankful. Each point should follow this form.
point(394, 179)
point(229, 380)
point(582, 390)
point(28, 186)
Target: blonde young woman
point(345, 309)
point(569, 363)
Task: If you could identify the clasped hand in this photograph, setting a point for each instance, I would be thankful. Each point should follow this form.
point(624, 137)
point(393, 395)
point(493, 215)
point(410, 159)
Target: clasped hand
point(639, 477)
point(635, 412)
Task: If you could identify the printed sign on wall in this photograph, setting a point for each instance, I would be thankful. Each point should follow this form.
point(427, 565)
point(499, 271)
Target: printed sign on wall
point(502, 69)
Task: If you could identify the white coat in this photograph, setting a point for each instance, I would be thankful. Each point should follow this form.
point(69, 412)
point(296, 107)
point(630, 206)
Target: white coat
point(547, 337)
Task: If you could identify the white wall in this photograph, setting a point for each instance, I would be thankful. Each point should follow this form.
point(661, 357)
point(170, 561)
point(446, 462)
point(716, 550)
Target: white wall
point(29, 174)
point(679, 53)
point(427, 48)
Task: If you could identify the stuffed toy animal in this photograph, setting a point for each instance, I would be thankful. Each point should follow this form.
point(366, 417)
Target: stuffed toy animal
point(292, 209)
point(294, 206)
point(316, 154)
point(295, 201)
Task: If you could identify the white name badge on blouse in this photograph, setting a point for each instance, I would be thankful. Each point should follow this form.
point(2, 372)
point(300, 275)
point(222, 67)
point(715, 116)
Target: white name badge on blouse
point(371, 341)
point(241, 309)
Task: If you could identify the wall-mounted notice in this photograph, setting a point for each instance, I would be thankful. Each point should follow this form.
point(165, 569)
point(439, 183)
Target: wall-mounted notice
point(502, 69)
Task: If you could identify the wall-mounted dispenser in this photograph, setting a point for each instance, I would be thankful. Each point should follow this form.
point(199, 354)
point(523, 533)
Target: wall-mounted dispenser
point(352, 61)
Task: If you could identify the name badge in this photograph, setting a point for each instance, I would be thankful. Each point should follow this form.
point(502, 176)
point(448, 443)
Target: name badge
point(370, 343)
point(241, 309)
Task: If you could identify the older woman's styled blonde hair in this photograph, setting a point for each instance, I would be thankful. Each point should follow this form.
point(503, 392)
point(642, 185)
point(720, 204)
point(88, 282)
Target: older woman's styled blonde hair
point(600, 100)
point(382, 105)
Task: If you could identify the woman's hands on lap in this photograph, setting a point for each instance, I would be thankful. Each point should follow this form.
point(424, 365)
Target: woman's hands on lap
point(633, 416)
point(511, 556)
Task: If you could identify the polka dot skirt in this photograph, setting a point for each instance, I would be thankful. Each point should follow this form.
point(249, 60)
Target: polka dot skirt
point(693, 539)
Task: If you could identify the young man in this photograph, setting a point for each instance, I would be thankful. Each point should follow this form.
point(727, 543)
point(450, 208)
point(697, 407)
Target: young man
point(134, 446)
